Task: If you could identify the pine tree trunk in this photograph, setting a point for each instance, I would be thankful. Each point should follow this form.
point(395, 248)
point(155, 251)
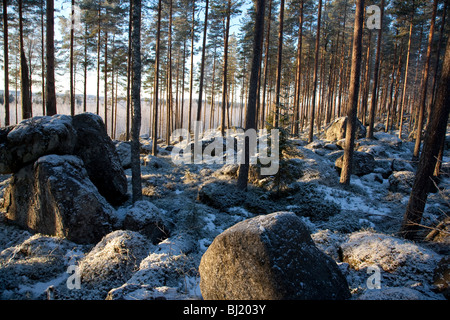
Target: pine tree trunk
point(353, 94)
point(316, 64)
point(24, 76)
point(298, 74)
point(72, 91)
point(202, 67)
point(156, 84)
point(191, 80)
point(105, 75)
point(98, 60)
point(50, 57)
point(136, 95)
point(423, 96)
point(403, 102)
point(42, 56)
point(129, 66)
point(169, 77)
point(266, 61)
point(279, 60)
point(373, 103)
point(253, 90)
point(434, 136)
point(225, 69)
point(5, 61)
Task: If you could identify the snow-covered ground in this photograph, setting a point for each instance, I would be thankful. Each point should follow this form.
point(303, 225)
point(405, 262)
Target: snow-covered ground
point(356, 226)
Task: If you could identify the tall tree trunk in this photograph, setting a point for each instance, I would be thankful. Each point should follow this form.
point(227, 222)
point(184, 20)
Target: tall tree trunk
point(136, 94)
point(316, 64)
point(42, 56)
point(353, 94)
point(169, 99)
point(98, 58)
point(202, 66)
point(403, 102)
point(156, 84)
point(50, 57)
point(225, 68)
point(105, 75)
point(266, 62)
point(5, 61)
point(85, 67)
point(373, 103)
point(435, 134)
point(279, 60)
point(129, 66)
point(423, 96)
point(72, 91)
point(191, 80)
point(24, 76)
point(253, 90)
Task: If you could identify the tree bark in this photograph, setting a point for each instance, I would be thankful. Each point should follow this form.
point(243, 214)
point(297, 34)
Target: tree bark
point(24, 76)
point(50, 55)
point(253, 90)
point(72, 91)
point(316, 64)
point(266, 62)
point(403, 102)
point(373, 103)
point(136, 95)
point(5, 61)
point(433, 139)
point(279, 60)
point(225, 69)
point(202, 66)
point(191, 80)
point(423, 96)
point(156, 84)
point(353, 94)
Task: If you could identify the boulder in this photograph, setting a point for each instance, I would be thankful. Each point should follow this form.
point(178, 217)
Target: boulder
point(100, 158)
point(401, 181)
point(337, 129)
point(441, 277)
point(123, 149)
point(54, 196)
point(145, 218)
point(25, 142)
point(363, 163)
point(269, 257)
point(113, 260)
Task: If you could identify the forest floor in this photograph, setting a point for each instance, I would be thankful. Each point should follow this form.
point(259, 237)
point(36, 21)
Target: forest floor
point(357, 226)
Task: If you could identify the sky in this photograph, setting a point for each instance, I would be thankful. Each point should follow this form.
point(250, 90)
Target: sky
point(62, 8)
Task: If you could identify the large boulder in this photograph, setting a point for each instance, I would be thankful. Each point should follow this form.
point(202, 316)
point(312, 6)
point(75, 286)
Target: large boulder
point(337, 129)
point(113, 260)
point(54, 196)
point(401, 181)
point(269, 257)
point(363, 163)
point(100, 158)
point(25, 142)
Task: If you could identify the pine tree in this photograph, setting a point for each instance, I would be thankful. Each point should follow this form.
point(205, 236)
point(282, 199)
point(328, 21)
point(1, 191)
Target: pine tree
point(433, 140)
point(353, 94)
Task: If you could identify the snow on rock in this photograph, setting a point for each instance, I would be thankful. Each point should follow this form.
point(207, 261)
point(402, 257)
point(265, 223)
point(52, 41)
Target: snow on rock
point(113, 260)
point(32, 138)
point(55, 197)
point(403, 263)
point(38, 259)
point(269, 257)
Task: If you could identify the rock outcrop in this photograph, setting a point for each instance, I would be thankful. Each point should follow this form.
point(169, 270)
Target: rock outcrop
point(54, 196)
point(269, 257)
